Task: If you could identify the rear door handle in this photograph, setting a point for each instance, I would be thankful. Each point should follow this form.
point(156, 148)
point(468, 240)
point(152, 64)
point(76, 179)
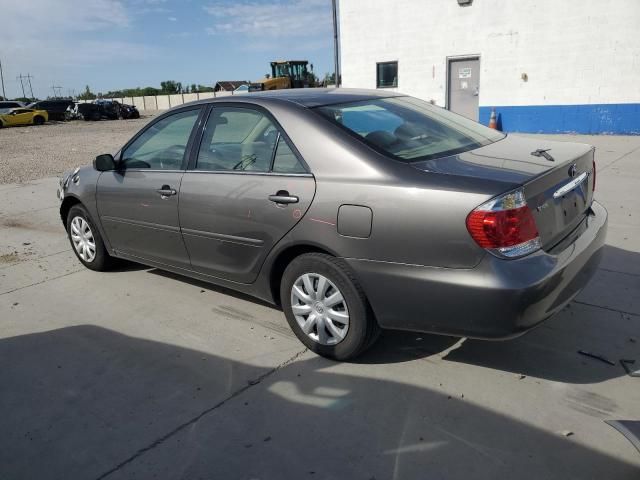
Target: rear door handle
point(166, 191)
point(283, 198)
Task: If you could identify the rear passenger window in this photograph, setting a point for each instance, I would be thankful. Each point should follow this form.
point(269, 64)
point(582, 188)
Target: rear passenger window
point(285, 160)
point(237, 139)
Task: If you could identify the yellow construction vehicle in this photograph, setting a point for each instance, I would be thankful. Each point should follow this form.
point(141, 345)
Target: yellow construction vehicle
point(286, 74)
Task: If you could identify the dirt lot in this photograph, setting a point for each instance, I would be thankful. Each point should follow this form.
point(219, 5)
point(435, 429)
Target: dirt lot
point(29, 153)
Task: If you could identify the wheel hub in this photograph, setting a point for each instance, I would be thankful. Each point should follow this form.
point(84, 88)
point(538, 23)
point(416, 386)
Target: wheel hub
point(82, 239)
point(320, 309)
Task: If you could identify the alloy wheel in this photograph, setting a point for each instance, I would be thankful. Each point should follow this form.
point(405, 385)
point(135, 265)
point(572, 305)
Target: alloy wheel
point(320, 309)
point(83, 240)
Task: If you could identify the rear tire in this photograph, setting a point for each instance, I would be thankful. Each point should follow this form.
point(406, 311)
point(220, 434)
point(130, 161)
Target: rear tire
point(38, 120)
point(336, 329)
point(86, 241)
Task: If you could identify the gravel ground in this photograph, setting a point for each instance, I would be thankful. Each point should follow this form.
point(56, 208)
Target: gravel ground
point(33, 152)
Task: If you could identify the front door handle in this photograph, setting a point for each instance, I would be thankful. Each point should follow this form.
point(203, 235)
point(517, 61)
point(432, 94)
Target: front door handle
point(166, 191)
point(283, 197)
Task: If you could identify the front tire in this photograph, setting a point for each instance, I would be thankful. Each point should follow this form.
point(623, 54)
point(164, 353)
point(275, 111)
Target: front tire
point(326, 307)
point(38, 120)
point(86, 241)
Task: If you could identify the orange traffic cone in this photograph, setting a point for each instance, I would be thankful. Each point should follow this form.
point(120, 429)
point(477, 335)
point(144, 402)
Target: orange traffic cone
point(493, 122)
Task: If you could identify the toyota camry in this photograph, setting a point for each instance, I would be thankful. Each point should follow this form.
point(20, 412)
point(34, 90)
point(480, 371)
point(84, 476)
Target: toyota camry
point(353, 210)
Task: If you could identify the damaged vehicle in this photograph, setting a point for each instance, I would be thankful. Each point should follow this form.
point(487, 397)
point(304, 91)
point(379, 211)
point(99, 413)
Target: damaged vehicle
point(353, 210)
point(128, 111)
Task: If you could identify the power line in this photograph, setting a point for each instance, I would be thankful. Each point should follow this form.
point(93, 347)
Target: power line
point(57, 91)
point(20, 77)
point(29, 77)
point(4, 95)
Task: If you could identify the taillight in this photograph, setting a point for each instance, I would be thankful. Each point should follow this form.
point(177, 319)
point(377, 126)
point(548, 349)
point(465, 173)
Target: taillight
point(505, 226)
point(593, 188)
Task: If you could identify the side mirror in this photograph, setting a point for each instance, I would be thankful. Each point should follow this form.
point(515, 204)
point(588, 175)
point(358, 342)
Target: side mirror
point(104, 162)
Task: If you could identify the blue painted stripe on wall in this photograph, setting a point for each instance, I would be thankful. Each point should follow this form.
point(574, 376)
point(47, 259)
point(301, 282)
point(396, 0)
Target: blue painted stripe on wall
point(617, 118)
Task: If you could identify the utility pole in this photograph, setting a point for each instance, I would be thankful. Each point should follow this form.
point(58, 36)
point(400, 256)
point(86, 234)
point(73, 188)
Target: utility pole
point(29, 77)
point(24, 95)
point(335, 43)
point(57, 91)
point(4, 95)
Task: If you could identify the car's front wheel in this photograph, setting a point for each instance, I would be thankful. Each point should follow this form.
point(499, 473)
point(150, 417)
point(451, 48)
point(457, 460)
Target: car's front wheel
point(38, 120)
point(326, 307)
point(86, 240)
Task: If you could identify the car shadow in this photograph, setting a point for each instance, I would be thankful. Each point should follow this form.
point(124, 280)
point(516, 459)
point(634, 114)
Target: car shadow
point(212, 287)
point(549, 351)
point(120, 265)
point(88, 402)
point(395, 346)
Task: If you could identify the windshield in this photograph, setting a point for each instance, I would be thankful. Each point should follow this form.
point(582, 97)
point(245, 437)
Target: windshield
point(280, 70)
point(409, 129)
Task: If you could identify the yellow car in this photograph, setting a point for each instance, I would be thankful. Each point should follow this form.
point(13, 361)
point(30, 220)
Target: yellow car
point(23, 116)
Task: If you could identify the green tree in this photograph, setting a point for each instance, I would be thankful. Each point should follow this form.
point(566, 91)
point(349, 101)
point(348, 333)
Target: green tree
point(329, 79)
point(170, 87)
point(87, 94)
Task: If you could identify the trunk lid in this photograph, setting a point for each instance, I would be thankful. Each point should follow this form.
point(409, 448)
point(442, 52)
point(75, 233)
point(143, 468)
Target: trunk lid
point(558, 191)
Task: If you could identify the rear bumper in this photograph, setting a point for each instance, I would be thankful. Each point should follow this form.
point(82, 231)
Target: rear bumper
point(496, 299)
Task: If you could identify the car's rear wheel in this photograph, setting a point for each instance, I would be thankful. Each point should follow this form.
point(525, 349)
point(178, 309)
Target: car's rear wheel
point(326, 307)
point(86, 240)
point(38, 120)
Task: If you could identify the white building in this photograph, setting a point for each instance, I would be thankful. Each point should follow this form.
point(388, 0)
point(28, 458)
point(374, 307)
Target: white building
point(545, 65)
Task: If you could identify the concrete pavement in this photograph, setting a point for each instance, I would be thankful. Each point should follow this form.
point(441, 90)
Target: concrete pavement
point(142, 374)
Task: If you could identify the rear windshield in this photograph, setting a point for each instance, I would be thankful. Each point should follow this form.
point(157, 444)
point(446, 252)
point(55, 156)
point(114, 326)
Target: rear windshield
point(409, 129)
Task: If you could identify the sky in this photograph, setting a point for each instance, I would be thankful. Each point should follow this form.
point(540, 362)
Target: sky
point(116, 44)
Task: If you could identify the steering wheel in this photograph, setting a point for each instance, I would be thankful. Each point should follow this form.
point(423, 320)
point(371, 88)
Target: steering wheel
point(171, 157)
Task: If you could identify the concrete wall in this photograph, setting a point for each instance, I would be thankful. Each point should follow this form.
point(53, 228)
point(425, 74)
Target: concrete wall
point(582, 57)
point(164, 102)
point(190, 97)
point(138, 102)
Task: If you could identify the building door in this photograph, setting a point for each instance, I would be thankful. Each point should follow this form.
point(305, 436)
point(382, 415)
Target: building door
point(464, 87)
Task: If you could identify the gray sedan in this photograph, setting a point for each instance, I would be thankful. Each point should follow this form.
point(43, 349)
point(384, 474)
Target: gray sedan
point(353, 210)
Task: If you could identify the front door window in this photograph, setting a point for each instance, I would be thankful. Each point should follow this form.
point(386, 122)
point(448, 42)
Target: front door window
point(163, 145)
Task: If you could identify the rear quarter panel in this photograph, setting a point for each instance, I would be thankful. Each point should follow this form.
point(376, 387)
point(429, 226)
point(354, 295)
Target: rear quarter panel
point(418, 217)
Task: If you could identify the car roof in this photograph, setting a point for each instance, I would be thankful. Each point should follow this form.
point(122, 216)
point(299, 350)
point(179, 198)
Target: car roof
point(310, 97)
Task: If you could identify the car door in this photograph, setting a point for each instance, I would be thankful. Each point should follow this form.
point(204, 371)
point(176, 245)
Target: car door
point(21, 116)
point(138, 202)
point(244, 190)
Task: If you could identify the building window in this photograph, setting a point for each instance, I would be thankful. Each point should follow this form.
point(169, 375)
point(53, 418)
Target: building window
point(387, 74)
